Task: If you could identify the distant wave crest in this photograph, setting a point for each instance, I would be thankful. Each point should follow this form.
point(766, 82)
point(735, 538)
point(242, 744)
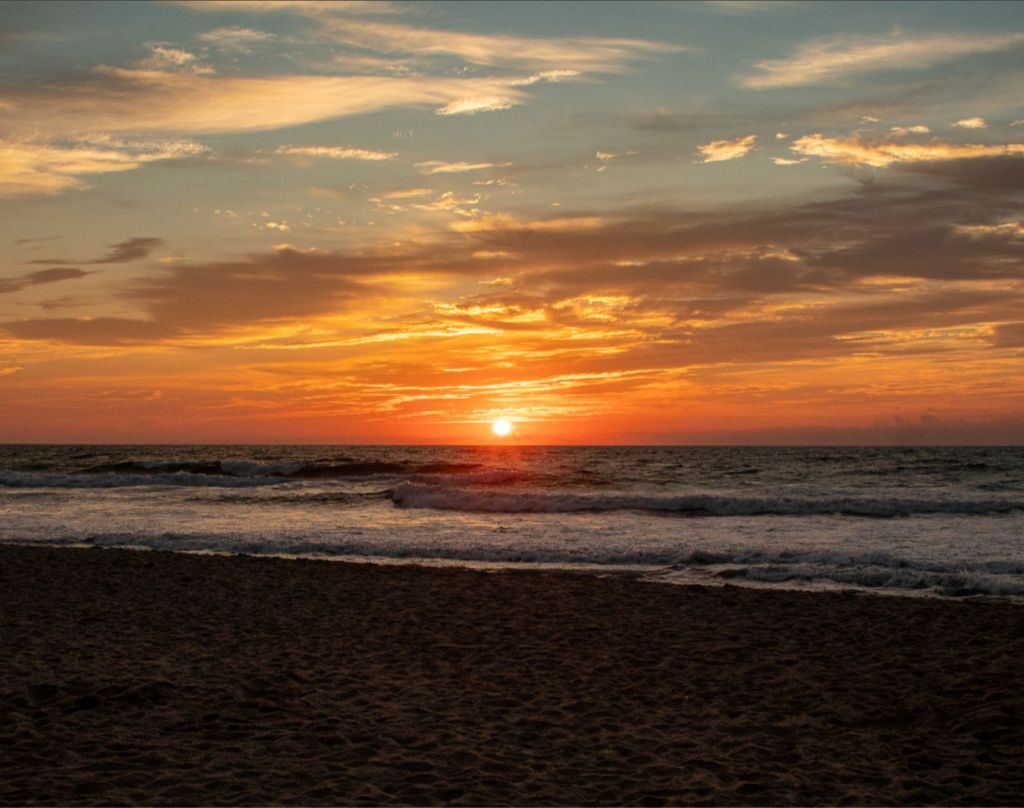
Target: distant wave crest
point(447, 498)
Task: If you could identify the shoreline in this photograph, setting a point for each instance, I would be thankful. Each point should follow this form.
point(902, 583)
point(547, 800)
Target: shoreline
point(174, 678)
point(670, 575)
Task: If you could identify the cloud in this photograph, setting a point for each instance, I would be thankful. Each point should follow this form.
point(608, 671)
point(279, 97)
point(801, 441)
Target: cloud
point(131, 100)
point(1008, 335)
point(741, 8)
point(295, 6)
point(590, 54)
point(1011, 229)
point(785, 161)
point(441, 167)
point(131, 250)
point(558, 55)
point(471, 106)
point(606, 157)
point(879, 153)
point(493, 103)
point(410, 193)
point(235, 38)
point(719, 150)
point(881, 271)
point(971, 123)
point(121, 253)
point(918, 129)
point(9, 285)
point(170, 95)
point(206, 298)
point(983, 174)
point(830, 60)
point(551, 76)
point(162, 57)
point(32, 166)
point(336, 152)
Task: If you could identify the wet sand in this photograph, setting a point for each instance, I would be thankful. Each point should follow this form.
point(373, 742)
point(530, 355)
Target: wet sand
point(153, 678)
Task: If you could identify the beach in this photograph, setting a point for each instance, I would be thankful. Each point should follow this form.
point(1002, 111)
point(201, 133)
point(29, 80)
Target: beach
point(161, 678)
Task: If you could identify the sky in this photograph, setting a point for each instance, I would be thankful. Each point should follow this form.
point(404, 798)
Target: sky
point(671, 222)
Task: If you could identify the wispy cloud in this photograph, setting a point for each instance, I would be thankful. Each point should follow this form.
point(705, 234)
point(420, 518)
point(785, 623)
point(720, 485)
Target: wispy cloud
point(163, 57)
point(917, 129)
point(123, 252)
point(824, 61)
point(856, 150)
point(551, 76)
point(470, 106)
point(606, 157)
point(344, 22)
point(971, 123)
point(718, 150)
point(335, 152)
point(235, 38)
point(296, 6)
point(409, 193)
point(121, 100)
point(741, 8)
point(591, 54)
point(41, 167)
point(9, 285)
point(441, 167)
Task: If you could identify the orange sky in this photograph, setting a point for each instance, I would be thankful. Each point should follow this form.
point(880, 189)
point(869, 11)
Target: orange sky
point(370, 224)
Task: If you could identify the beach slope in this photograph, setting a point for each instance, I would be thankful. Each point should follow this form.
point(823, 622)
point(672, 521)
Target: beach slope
point(155, 678)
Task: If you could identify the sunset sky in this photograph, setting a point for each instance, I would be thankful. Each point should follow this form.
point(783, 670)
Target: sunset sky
point(703, 222)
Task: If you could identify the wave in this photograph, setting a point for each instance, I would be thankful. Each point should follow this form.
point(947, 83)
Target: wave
point(245, 473)
point(417, 495)
point(296, 469)
point(24, 479)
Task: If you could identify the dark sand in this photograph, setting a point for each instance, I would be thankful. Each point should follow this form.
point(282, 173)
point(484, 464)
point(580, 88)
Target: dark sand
point(153, 678)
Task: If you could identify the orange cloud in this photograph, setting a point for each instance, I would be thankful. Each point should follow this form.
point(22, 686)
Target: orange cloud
point(37, 167)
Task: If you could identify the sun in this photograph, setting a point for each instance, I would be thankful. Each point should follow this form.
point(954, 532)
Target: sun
point(501, 427)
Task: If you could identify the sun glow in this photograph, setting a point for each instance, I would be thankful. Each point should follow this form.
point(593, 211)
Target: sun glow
point(501, 427)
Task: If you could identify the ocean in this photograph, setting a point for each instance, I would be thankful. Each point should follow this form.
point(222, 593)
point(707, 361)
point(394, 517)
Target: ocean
point(926, 521)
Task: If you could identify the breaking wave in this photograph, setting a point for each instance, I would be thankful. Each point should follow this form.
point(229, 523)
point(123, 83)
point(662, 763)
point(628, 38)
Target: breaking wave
point(445, 498)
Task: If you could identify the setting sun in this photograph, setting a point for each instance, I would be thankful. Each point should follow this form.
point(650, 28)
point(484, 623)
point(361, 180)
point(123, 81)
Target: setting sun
point(501, 427)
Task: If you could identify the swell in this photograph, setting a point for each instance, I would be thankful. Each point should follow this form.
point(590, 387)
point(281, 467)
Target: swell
point(244, 473)
point(294, 470)
point(437, 497)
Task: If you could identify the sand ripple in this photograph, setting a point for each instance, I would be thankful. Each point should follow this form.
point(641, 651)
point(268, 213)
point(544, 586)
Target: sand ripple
point(152, 678)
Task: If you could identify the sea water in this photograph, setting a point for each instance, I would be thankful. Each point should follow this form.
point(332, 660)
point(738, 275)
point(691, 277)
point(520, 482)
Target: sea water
point(909, 520)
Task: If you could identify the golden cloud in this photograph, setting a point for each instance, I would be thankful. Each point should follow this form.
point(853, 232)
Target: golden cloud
point(857, 150)
point(718, 150)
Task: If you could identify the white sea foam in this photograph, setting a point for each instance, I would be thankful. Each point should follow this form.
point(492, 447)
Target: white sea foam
point(949, 521)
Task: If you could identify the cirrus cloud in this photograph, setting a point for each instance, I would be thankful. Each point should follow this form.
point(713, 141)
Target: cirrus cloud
point(832, 59)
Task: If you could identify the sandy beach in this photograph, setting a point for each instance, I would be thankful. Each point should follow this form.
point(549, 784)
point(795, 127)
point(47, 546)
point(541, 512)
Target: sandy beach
point(155, 678)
